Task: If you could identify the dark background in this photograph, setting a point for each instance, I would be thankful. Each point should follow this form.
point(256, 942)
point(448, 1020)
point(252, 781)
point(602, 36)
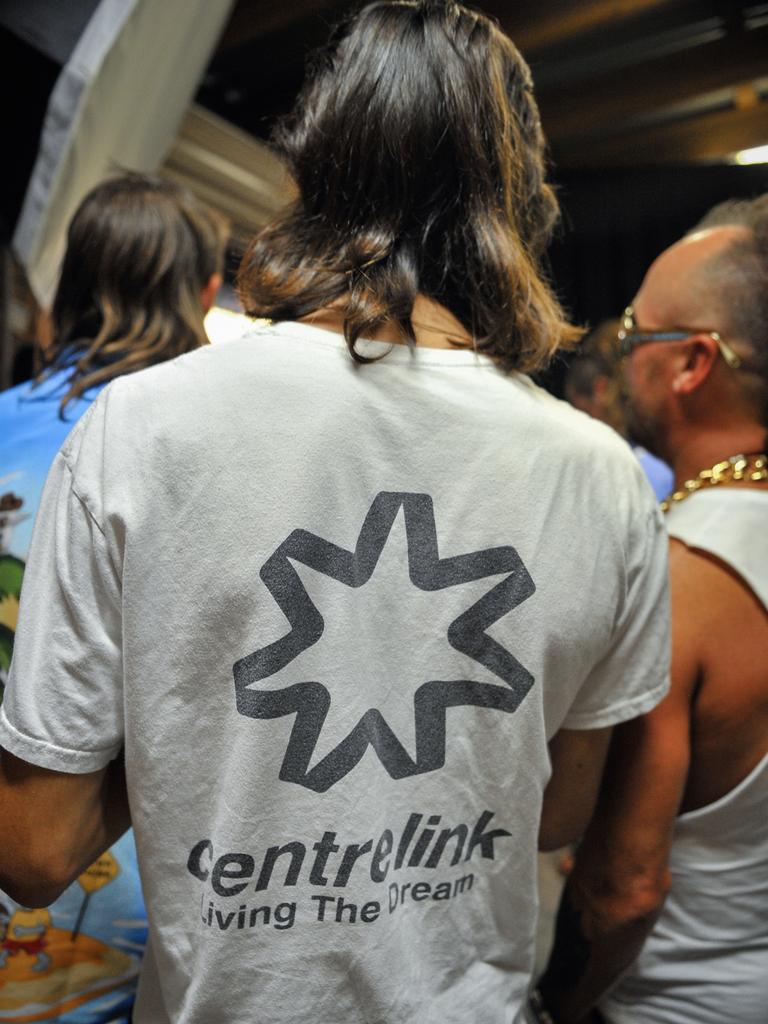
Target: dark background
point(615, 222)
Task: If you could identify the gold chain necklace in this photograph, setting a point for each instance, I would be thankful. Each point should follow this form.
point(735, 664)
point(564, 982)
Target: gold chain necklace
point(737, 467)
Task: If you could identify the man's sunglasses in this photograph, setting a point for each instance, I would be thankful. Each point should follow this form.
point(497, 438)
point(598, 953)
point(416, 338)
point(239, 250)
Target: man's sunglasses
point(630, 337)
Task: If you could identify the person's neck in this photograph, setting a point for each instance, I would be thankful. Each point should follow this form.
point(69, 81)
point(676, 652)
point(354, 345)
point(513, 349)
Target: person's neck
point(433, 324)
point(705, 447)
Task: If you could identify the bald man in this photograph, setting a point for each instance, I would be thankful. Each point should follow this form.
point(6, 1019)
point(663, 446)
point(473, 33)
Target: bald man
point(684, 809)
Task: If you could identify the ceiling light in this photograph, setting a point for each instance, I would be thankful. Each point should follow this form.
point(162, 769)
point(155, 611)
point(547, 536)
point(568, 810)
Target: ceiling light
point(757, 155)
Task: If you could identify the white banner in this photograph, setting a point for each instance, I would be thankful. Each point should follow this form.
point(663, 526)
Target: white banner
point(116, 105)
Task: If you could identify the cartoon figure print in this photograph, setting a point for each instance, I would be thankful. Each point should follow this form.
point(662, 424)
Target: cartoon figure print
point(11, 573)
point(66, 963)
point(24, 934)
point(10, 517)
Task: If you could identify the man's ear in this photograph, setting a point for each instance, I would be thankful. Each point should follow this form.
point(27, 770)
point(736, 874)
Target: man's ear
point(697, 360)
point(209, 292)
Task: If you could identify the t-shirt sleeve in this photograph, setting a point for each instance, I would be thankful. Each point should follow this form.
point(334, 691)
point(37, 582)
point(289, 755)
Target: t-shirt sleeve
point(633, 675)
point(62, 708)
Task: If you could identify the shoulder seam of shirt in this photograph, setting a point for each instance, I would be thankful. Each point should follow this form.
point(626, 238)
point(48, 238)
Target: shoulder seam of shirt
point(80, 497)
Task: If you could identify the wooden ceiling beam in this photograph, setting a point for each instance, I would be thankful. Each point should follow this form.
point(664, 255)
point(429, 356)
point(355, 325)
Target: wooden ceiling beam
point(708, 138)
point(603, 102)
point(543, 26)
point(227, 169)
point(551, 24)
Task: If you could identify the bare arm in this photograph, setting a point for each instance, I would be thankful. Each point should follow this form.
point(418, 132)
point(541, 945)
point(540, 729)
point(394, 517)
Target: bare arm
point(578, 757)
point(54, 825)
point(621, 878)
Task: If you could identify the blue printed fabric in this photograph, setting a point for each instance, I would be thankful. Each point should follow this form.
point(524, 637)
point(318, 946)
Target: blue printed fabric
point(661, 477)
point(77, 961)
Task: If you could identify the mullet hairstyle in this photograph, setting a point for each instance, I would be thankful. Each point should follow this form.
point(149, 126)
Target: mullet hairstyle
point(139, 252)
point(418, 155)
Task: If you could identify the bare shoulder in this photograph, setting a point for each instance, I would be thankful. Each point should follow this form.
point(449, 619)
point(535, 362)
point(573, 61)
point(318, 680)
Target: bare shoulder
point(719, 636)
point(704, 586)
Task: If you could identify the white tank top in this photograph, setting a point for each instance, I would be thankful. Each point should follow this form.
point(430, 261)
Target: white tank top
point(706, 960)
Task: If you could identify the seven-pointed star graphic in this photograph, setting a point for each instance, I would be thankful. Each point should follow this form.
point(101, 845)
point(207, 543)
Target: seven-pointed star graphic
point(310, 700)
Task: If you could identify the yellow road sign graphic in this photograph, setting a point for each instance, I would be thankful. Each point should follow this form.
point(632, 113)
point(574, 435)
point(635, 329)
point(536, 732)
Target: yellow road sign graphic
point(100, 873)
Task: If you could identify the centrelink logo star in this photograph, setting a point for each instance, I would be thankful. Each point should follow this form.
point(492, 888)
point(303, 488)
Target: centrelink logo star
point(310, 701)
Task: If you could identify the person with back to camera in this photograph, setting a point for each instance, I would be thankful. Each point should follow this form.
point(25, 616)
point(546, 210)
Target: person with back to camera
point(410, 594)
point(684, 815)
point(142, 265)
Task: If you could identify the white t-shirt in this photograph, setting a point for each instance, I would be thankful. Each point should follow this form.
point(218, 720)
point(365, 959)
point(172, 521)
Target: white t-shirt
point(334, 613)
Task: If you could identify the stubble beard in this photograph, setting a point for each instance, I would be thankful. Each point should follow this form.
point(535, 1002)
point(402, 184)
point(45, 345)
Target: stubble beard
point(645, 429)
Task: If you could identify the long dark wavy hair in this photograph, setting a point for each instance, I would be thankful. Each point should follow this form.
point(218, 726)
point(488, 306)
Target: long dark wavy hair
point(139, 252)
point(418, 155)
